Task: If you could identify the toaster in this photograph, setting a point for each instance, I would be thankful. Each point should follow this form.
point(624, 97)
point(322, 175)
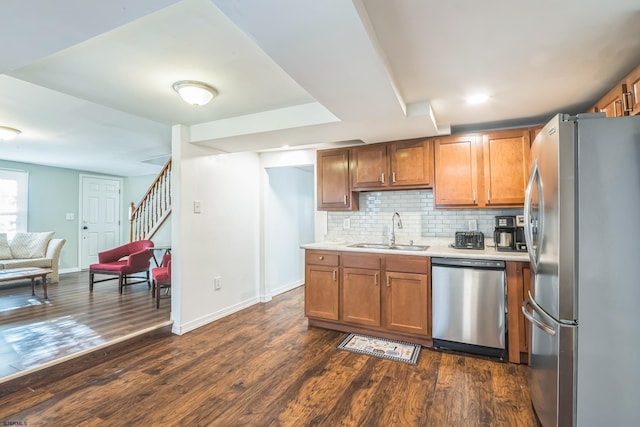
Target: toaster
point(468, 240)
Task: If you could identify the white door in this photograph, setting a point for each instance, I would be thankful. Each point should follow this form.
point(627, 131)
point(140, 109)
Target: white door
point(100, 217)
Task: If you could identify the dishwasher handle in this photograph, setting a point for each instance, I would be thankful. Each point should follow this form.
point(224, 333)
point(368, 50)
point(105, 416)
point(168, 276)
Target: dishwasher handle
point(468, 263)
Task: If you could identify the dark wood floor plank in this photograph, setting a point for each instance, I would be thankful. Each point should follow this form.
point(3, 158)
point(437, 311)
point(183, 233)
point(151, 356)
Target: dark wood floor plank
point(264, 367)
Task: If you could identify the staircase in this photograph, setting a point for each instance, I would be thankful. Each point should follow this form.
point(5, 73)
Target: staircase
point(154, 208)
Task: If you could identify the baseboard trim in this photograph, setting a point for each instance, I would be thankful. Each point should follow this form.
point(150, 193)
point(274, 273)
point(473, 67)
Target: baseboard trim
point(194, 324)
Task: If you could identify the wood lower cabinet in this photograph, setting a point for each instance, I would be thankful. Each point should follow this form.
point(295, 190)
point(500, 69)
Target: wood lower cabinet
point(387, 296)
point(322, 291)
point(334, 183)
point(519, 330)
point(406, 294)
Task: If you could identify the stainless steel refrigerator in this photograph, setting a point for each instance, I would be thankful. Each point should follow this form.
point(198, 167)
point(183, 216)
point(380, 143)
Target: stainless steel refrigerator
point(582, 227)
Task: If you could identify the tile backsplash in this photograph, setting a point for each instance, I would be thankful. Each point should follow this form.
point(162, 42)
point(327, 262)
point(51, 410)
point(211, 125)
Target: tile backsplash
point(419, 218)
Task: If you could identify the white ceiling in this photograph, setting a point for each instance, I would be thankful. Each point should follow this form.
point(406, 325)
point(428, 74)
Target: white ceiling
point(89, 83)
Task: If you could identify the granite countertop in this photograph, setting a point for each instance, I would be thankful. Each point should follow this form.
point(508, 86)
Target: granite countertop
point(438, 247)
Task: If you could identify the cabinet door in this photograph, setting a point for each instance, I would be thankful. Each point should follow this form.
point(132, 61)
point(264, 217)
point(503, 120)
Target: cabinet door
point(506, 167)
point(334, 188)
point(407, 305)
point(411, 163)
point(361, 296)
point(611, 103)
point(321, 292)
point(456, 171)
point(369, 167)
point(519, 330)
point(631, 98)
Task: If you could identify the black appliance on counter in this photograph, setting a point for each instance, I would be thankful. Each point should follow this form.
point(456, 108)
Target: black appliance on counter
point(468, 240)
point(509, 233)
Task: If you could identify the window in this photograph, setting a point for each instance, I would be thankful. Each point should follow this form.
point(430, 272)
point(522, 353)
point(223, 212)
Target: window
point(14, 198)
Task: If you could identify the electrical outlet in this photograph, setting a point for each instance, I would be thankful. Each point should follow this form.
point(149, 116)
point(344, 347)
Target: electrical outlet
point(217, 283)
point(473, 225)
point(346, 223)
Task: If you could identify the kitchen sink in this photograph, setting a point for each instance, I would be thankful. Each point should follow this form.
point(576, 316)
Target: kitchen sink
point(369, 246)
point(392, 247)
point(409, 247)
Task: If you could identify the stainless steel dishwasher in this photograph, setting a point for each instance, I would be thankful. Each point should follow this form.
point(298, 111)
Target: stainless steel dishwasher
point(468, 305)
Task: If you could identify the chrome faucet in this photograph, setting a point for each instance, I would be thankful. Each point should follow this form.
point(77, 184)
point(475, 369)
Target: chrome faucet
point(392, 233)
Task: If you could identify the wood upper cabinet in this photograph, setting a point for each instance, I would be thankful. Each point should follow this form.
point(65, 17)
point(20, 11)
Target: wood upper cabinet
point(390, 165)
point(360, 292)
point(631, 97)
point(456, 170)
point(334, 184)
point(506, 167)
point(611, 103)
point(482, 170)
point(411, 163)
point(519, 329)
point(406, 295)
point(321, 298)
point(369, 168)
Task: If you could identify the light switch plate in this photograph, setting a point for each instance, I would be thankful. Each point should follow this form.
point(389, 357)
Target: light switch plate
point(473, 225)
point(196, 206)
point(70, 216)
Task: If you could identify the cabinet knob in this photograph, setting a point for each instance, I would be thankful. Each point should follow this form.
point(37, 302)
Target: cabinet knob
point(320, 257)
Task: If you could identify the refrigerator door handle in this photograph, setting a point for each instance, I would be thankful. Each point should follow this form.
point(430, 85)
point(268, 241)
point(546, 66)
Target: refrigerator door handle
point(528, 235)
point(531, 302)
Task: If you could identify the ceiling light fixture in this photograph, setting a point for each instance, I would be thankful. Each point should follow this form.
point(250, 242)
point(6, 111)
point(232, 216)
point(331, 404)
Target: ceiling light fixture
point(194, 93)
point(7, 133)
point(477, 98)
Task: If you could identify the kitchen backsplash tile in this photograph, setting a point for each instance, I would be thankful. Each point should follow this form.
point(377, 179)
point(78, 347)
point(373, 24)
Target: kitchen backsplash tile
point(419, 218)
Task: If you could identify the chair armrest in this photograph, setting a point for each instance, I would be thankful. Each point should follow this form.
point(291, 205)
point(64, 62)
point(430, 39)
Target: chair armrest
point(112, 255)
point(140, 259)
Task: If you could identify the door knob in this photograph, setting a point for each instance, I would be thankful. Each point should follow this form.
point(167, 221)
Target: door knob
point(85, 227)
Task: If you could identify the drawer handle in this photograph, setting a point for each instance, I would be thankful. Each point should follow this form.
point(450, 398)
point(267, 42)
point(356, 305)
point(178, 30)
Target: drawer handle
point(375, 279)
point(388, 281)
point(335, 275)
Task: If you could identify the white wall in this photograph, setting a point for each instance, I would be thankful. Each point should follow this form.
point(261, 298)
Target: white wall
point(223, 240)
point(289, 216)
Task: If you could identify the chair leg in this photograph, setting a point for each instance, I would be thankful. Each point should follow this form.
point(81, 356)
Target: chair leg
point(158, 297)
point(153, 288)
point(148, 281)
point(91, 281)
point(121, 279)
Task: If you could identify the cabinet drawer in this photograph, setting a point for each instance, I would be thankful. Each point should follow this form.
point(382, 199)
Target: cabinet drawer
point(407, 263)
point(321, 258)
point(361, 261)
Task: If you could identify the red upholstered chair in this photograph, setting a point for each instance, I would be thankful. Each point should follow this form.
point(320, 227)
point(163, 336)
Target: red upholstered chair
point(161, 277)
point(123, 261)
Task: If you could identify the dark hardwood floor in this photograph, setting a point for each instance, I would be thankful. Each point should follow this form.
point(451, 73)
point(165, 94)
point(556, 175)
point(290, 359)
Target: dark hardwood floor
point(35, 332)
point(263, 367)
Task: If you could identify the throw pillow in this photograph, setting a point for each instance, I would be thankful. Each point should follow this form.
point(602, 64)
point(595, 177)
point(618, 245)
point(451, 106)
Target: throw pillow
point(5, 250)
point(30, 245)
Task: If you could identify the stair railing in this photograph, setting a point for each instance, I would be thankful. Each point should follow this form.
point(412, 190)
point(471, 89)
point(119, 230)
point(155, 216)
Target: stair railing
point(154, 208)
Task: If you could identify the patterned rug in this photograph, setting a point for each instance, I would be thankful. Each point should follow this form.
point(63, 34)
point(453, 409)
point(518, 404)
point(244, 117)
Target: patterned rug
point(383, 348)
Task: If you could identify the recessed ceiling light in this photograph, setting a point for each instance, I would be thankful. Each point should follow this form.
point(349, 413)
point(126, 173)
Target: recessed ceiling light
point(478, 98)
point(194, 93)
point(7, 133)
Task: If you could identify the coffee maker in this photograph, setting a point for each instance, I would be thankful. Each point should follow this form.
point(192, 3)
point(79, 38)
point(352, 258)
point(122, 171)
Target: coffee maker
point(509, 233)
